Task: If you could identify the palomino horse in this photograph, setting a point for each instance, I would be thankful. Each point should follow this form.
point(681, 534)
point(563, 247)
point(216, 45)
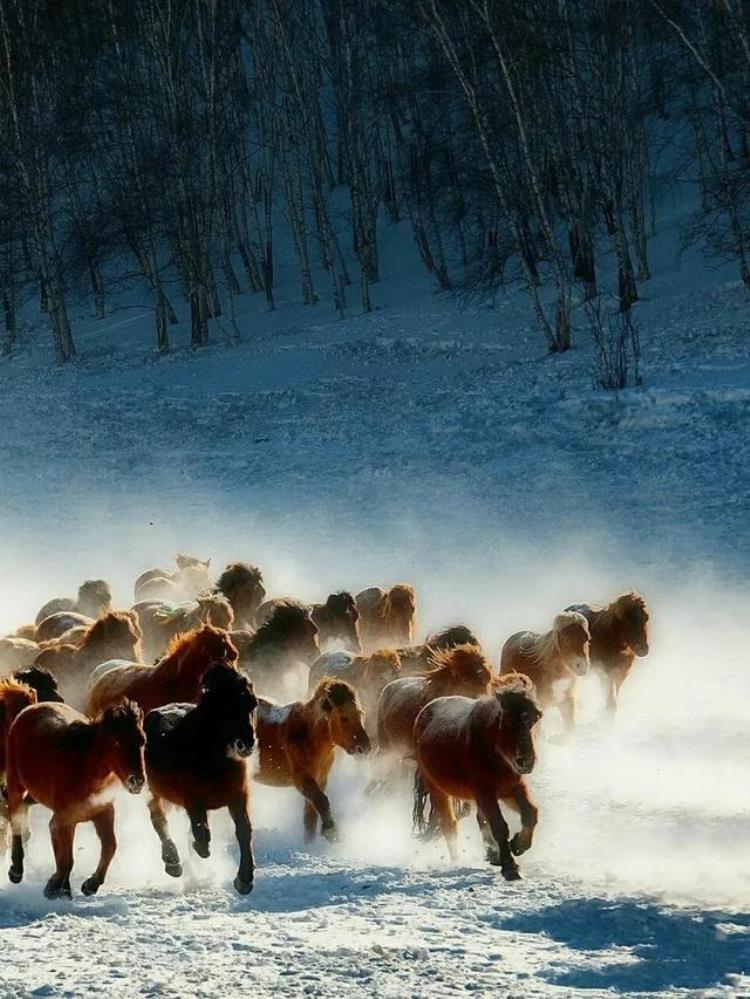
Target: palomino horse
point(242, 585)
point(297, 743)
point(286, 642)
point(480, 750)
point(553, 661)
point(160, 622)
point(114, 636)
point(338, 621)
point(70, 764)
point(387, 618)
point(190, 579)
point(94, 599)
point(367, 674)
point(196, 757)
point(619, 633)
point(176, 678)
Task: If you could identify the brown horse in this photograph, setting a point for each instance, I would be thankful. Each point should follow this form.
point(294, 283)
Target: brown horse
point(16, 653)
point(367, 674)
point(287, 640)
point(417, 659)
point(619, 633)
point(114, 636)
point(94, 599)
point(297, 744)
point(480, 750)
point(160, 622)
point(196, 757)
point(190, 579)
point(177, 677)
point(338, 621)
point(553, 661)
point(70, 764)
point(387, 618)
point(242, 585)
point(14, 697)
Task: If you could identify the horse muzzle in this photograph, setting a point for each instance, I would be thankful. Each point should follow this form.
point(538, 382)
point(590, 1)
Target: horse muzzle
point(524, 764)
point(581, 667)
point(361, 749)
point(242, 748)
point(134, 783)
point(641, 650)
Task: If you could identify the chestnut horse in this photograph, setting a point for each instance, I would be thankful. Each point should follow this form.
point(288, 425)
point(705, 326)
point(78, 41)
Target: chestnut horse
point(176, 678)
point(94, 599)
point(196, 757)
point(417, 659)
point(242, 585)
point(387, 618)
point(338, 621)
point(14, 697)
point(619, 633)
point(287, 640)
point(160, 622)
point(553, 661)
point(367, 674)
point(114, 636)
point(190, 579)
point(480, 750)
point(297, 744)
point(71, 764)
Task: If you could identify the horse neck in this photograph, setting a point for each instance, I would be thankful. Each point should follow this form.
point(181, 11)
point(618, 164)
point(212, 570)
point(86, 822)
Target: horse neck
point(262, 646)
point(606, 629)
point(546, 653)
point(181, 662)
point(318, 722)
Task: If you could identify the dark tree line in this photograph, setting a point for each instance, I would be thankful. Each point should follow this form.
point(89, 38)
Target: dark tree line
point(525, 141)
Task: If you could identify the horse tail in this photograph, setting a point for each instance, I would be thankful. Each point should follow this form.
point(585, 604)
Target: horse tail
point(421, 795)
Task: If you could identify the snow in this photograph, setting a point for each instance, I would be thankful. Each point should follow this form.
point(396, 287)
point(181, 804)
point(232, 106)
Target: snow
point(431, 441)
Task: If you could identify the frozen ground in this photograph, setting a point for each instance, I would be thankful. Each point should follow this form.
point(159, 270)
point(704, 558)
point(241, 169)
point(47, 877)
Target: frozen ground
point(437, 444)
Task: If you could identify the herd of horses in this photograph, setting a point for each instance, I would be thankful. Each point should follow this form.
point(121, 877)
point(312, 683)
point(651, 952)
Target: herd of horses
point(205, 685)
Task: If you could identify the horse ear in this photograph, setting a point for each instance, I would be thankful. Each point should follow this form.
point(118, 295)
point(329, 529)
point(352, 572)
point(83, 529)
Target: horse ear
point(207, 563)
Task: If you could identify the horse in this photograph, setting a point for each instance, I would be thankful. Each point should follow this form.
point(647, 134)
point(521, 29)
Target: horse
point(387, 617)
point(177, 677)
point(16, 653)
point(14, 697)
point(619, 633)
point(190, 579)
point(480, 750)
point(367, 674)
point(338, 620)
point(196, 757)
point(72, 765)
point(417, 659)
point(94, 599)
point(242, 585)
point(297, 745)
point(160, 622)
point(553, 661)
point(40, 680)
point(114, 636)
point(286, 640)
point(54, 627)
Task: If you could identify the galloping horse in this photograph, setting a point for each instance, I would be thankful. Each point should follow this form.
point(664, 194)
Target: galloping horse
point(552, 661)
point(297, 743)
point(71, 764)
point(367, 674)
point(14, 697)
point(242, 585)
point(285, 641)
point(196, 757)
point(176, 678)
point(160, 622)
point(338, 621)
point(480, 750)
point(619, 633)
point(190, 579)
point(387, 618)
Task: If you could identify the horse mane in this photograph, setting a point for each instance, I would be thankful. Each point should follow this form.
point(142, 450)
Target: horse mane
point(237, 576)
point(399, 600)
point(514, 683)
point(456, 634)
point(457, 666)
point(620, 606)
point(115, 624)
point(40, 680)
point(339, 692)
point(120, 717)
point(285, 619)
point(380, 662)
point(14, 693)
point(96, 589)
point(542, 649)
point(185, 641)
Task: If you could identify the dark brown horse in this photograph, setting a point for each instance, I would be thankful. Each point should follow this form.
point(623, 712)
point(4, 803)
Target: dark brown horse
point(297, 744)
point(387, 618)
point(177, 677)
point(114, 636)
point(480, 750)
point(367, 674)
point(242, 585)
point(553, 661)
point(338, 621)
point(196, 757)
point(160, 622)
point(619, 633)
point(94, 599)
point(72, 765)
point(284, 643)
point(40, 680)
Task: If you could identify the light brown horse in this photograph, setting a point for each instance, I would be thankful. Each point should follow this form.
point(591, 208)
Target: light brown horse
point(114, 636)
point(553, 661)
point(387, 618)
point(176, 678)
point(16, 653)
point(619, 633)
point(367, 674)
point(94, 599)
point(160, 622)
point(72, 765)
point(190, 579)
point(242, 585)
point(480, 750)
point(297, 745)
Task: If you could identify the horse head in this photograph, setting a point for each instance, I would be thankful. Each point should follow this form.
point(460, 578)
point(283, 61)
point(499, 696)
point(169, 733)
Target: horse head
point(339, 702)
point(228, 700)
point(515, 716)
point(122, 743)
point(631, 612)
point(573, 639)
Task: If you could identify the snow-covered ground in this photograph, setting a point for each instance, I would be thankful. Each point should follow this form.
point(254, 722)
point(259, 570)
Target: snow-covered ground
point(435, 443)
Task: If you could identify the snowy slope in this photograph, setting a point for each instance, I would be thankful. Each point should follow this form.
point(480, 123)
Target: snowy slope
point(436, 443)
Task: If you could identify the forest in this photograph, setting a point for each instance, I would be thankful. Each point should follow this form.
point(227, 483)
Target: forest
point(173, 145)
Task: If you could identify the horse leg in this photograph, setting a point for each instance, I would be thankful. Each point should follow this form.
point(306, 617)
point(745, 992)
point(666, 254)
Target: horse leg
point(318, 800)
point(169, 854)
point(61, 834)
point(201, 832)
point(442, 807)
point(567, 709)
point(18, 813)
point(491, 851)
point(520, 802)
point(244, 831)
point(104, 823)
point(488, 805)
point(310, 819)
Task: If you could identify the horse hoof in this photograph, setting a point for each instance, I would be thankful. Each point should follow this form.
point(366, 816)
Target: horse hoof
point(174, 870)
point(331, 833)
point(493, 858)
point(202, 849)
point(511, 874)
point(243, 887)
point(91, 886)
point(15, 875)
